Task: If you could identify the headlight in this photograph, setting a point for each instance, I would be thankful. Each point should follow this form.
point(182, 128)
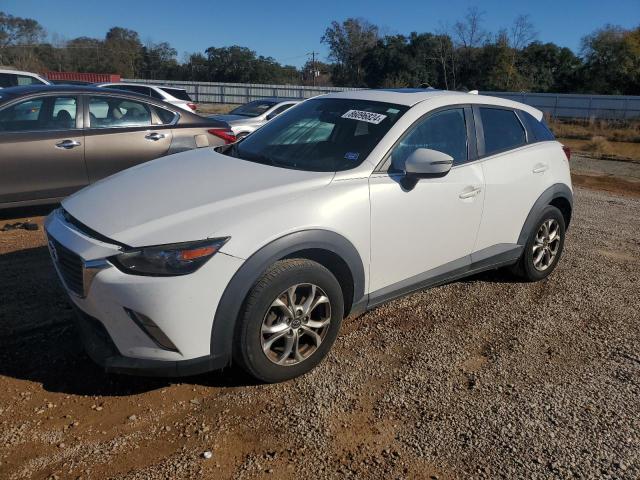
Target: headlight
point(168, 260)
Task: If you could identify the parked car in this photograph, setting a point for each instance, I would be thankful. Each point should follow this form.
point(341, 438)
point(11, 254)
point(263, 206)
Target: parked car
point(251, 116)
point(175, 96)
point(55, 140)
point(15, 78)
point(254, 255)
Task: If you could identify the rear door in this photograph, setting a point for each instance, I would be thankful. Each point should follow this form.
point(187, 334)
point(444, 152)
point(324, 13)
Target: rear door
point(41, 148)
point(123, 132)
point(515, 170)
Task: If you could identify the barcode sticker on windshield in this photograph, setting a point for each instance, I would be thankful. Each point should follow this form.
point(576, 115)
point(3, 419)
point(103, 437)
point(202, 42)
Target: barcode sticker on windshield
point(369, 117)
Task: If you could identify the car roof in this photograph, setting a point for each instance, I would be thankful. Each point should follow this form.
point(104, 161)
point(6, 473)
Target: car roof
point(31, 89)
point(18, 72)
point(136, 84)
point(278, 99)
point(413, 96)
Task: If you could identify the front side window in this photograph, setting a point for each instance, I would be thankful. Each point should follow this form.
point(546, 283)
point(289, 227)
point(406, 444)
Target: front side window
point(444, 131)
point(502, 130)
point(321, 135)
point(113, 112)
point(44, 113)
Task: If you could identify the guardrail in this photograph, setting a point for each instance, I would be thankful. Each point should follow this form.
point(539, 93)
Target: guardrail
point(557, 105)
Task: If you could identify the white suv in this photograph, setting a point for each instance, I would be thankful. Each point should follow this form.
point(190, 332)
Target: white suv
point(15, 78)
point(173, 95)
point(255, 254)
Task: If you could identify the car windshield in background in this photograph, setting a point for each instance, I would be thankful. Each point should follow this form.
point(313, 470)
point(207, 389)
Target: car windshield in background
point(321, 135)
point(178, 93)
point(253, 109)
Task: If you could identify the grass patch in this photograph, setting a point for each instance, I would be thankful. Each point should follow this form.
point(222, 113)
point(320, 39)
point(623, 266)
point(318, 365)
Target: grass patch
point(609, 130)
point(215, 108)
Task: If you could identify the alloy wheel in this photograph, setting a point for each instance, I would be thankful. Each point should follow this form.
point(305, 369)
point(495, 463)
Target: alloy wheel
point(295, 324)
point(546, 244)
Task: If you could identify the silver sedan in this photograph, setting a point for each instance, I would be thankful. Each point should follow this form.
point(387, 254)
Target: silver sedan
point(251, 116)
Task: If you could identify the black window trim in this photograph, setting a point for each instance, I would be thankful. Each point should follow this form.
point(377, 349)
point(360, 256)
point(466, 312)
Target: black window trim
point(79, 116)
point(472, 147)
point(480, 130)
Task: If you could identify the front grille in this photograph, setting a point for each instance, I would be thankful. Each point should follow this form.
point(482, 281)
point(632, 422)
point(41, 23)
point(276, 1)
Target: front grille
point(69, 265)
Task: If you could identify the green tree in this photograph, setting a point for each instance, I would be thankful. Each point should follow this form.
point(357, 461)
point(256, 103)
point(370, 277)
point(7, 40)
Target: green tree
point(348, 44)
point(612, 60)
point(123, 51)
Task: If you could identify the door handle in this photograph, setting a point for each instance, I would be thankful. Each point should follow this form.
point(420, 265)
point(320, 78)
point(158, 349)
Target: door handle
point(68, 144)
point(154, 136)
point(540, 167)
point(469, 192)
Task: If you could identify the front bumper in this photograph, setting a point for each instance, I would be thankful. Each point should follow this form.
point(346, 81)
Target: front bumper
point(182, 307)
point(101, 349)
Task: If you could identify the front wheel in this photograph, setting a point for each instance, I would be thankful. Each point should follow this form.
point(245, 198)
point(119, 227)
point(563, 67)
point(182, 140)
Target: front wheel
point(544, 247)
point(290, 320)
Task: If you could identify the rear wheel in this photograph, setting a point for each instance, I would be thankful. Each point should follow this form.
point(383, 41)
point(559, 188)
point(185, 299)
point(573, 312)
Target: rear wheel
point(290, 320)
point(544, 246)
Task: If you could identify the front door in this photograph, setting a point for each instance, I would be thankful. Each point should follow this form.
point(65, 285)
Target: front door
point(430, 229)
point(122, 133)
point(41, 149)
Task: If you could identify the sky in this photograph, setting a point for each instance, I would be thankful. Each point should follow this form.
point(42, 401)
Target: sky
point(288, 30)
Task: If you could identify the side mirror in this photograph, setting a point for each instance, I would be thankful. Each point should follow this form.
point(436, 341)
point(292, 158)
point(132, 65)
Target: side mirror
point(425, 163)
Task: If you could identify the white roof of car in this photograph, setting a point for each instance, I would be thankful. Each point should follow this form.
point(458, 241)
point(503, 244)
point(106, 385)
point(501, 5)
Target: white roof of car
point(413, 96)
point(19, 72)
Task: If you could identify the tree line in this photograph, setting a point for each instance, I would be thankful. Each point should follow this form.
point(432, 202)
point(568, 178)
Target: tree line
point(462, 56)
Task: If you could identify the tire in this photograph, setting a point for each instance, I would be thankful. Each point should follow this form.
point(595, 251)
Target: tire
point(531, 267)
point(273, 344)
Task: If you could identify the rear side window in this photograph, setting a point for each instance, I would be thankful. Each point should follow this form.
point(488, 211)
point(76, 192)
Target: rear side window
point(178, 93)
point(538, 127)
point(13, 80)
point(502, 130)
point(165, 116)
point(112, 112)
point(132, 88)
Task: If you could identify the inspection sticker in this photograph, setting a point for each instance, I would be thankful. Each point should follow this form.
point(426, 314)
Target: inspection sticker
point(369, 117)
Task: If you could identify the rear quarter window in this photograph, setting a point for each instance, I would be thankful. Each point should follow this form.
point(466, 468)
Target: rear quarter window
point(502, 130)
point(538, 128)
point(178, 93)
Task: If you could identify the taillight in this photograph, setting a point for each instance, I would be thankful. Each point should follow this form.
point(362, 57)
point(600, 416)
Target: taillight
point(224, 133)
point(567, 151)
point(192, 106)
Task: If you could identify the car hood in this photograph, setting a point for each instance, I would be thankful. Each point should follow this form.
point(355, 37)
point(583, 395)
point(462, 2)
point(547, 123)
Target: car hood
point(186, 196)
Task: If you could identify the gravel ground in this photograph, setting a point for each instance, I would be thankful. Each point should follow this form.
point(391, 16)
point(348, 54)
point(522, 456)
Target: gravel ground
point(483, 378)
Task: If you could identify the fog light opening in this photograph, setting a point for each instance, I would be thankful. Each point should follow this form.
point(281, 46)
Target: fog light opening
point(152, 330)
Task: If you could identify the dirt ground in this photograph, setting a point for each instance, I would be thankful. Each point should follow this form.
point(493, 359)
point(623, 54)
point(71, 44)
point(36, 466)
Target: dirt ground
point(482, 378)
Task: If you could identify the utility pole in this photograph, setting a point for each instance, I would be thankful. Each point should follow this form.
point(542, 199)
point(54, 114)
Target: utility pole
point(313, 65)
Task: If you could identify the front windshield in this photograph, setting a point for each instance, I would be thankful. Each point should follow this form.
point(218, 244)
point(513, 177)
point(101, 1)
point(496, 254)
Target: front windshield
point(253, 109)
point(321, 135)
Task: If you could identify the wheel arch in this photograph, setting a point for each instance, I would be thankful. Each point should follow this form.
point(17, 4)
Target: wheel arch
point(560, 196)
point(328, 248)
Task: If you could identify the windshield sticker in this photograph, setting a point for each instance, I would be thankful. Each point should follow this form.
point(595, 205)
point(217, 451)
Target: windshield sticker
point(351, 156)
point(392, 111)
point(369, 117)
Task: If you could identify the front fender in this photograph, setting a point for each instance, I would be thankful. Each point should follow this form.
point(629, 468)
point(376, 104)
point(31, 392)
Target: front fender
point(252, 269)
